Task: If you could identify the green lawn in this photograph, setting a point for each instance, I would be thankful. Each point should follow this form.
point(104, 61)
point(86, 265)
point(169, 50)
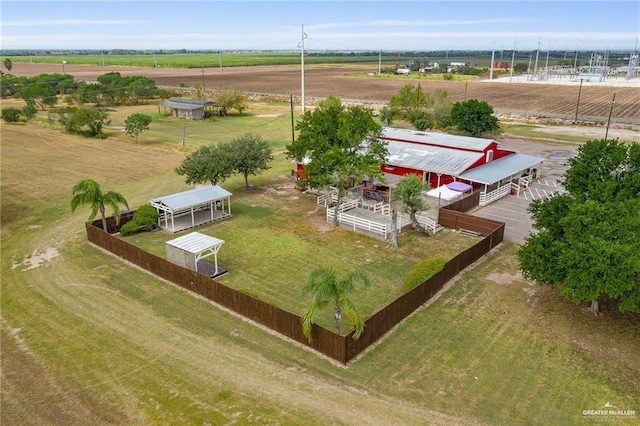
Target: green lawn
point(277, 236)
point(89, 339)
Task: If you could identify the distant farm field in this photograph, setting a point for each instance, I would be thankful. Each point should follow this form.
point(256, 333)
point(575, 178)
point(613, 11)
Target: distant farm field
point(351, 82)
point(216, 59)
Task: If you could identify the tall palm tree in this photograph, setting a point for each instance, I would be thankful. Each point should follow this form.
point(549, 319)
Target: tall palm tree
point(88, 192)
point(328, 290)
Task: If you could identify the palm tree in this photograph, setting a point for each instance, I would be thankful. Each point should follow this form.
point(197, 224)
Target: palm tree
point(327, 289)
point(88, 192)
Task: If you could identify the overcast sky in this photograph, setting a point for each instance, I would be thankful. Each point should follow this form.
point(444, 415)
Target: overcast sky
point(330, 25)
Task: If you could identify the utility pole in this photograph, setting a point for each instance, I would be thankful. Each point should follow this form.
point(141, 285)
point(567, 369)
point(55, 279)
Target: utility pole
point(380, 63)
point(578, 103)
point(293, 133)
point(611, 104)
point(546, 64)
point(220, 52)
point(493, 52)
point(303, 36)
point(513, 58)
point(535, 67)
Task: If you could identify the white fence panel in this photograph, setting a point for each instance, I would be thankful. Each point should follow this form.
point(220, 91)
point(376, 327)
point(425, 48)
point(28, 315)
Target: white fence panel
point(489, 197)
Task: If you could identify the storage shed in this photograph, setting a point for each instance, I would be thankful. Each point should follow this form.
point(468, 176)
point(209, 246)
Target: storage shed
point(187, 250)
point(192, 208)
point(192, 109)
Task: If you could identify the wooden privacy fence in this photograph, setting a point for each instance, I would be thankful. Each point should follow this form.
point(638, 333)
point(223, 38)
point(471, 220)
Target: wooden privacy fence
point(465, 204)
point(340, 348)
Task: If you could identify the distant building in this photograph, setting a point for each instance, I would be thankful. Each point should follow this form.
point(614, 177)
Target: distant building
point(192, 109)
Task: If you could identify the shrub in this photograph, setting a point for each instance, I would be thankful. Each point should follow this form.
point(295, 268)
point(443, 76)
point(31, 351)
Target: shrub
point(422, 272)
point(143, 220)
point(29, 110)
point(11, 115)
point(421, 119)
point(231, 98)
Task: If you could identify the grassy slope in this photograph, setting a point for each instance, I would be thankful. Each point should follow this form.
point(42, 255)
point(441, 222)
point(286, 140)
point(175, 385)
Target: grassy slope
point(109, 341)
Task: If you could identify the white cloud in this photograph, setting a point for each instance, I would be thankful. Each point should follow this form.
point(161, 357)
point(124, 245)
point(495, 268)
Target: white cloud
point(409, 23)
point(70, 22)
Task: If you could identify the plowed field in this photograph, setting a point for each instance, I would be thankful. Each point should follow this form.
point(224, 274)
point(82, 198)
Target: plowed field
point(350, 83)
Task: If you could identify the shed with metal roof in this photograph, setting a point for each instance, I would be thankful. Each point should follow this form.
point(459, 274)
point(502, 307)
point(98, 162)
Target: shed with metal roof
point(191, 109)
point(188, 250)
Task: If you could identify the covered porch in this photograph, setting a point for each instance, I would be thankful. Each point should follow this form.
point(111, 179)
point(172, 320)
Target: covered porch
point(500, 177)
point(195, 207)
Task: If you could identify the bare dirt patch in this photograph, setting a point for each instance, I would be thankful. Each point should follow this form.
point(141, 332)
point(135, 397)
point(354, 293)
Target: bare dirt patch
point(505, 278)
point(37, 258)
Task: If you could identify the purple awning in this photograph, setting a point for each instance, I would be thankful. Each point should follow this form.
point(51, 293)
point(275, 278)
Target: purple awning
point(459, 186)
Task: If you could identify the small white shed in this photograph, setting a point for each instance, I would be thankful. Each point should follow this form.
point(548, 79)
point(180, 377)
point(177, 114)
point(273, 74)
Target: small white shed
point(188, 249)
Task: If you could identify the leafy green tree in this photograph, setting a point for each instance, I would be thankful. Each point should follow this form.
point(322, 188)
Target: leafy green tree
point(474, 117)
point(342, 144)
point(409, 190)
point(41, 94)
point(251, 155)
point(441, 109)
point(87, 192)
point(11, 85)
point(60, 83)
point(29, 110)
point(8, 64)
point(10, 115)
point(75, 119)
point(587, 239)
point(603, 171)
point(327, 290)
point(209, 163)
point(139, 89)
point(520, 67)
point(137, 123)
point(95, 93)
point(115, 89)
point(388, 114)
point(231, 98)
point(409, 99)
point(421, 119)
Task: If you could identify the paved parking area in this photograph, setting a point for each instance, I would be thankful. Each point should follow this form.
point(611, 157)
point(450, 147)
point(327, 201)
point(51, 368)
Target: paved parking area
point(512, 209)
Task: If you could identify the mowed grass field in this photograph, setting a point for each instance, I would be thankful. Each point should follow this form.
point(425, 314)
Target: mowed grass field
point(88, 339)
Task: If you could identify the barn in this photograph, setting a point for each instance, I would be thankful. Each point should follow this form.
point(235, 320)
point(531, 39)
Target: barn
point(441, 159)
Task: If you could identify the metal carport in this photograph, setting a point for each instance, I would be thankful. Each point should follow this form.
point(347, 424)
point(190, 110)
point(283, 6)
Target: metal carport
point(192, 208)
